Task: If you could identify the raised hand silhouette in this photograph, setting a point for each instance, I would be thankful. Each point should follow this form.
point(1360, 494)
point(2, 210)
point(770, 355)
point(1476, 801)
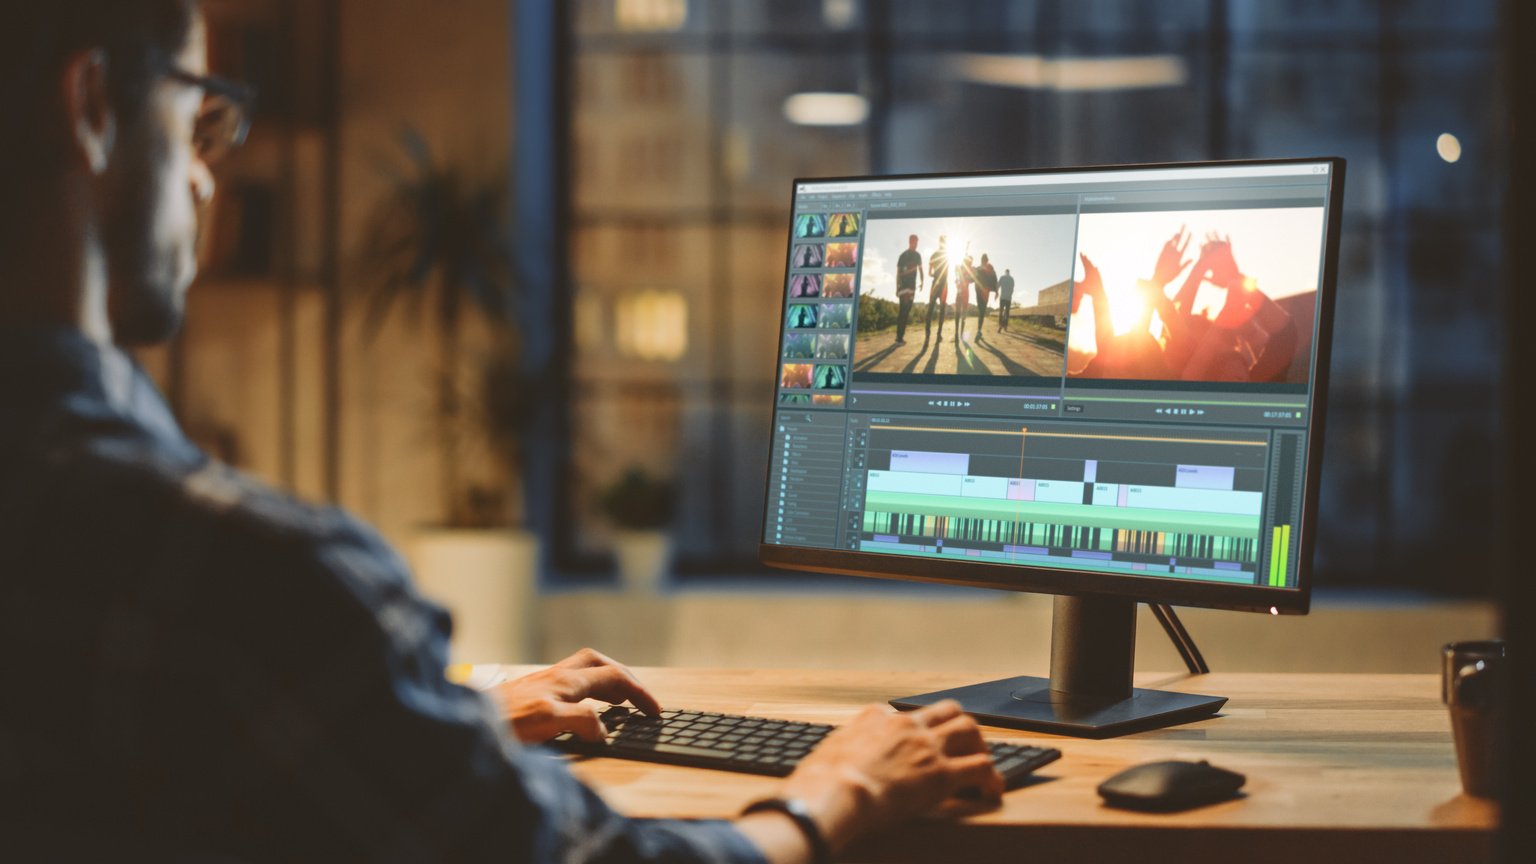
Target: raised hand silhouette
point(1171, 261)
point(1092, 284)
point(1220, 263)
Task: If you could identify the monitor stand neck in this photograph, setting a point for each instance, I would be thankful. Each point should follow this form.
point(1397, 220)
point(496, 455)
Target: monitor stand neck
point(1093, 649)
point(1089, 693)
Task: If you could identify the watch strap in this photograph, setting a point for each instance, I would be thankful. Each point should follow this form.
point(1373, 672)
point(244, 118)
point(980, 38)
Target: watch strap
point(796, 810)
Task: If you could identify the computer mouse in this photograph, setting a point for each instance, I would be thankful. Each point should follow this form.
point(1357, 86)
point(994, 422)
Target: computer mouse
point(1169, 786)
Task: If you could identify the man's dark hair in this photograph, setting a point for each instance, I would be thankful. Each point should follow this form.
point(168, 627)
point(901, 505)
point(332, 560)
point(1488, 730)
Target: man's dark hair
point(36, 39)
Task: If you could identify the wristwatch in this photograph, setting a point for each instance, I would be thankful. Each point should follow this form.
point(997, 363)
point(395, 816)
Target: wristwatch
point(796, 810)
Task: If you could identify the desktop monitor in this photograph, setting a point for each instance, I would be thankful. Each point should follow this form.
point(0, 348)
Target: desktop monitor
point(1103, 383)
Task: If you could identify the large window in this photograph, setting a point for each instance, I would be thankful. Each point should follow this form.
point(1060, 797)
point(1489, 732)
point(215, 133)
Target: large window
point(690, 118)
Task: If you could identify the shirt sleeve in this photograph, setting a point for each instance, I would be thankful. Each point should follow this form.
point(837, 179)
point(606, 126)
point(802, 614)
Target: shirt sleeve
point(351, 740)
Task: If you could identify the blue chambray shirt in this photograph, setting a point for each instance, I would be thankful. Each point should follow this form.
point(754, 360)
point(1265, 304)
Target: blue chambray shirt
point(194, 667)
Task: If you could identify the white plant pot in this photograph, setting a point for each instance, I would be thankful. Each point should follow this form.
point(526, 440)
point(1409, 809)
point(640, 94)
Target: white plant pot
point(488, 580)
point(644, 559)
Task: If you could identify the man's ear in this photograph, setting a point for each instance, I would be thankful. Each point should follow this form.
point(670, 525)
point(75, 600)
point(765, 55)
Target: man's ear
point(92, 125)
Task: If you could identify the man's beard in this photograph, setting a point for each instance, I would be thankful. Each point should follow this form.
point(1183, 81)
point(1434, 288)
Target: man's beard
point(146, 294)
point(144, 312)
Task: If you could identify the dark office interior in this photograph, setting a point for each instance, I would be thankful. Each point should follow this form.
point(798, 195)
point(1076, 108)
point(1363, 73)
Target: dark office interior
point(501, 278)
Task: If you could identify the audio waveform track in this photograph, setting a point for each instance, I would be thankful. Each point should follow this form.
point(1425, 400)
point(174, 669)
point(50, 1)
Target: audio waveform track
point(1154, 545)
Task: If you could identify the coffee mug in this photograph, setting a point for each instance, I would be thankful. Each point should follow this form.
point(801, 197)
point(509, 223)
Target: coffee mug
point(1472, 685)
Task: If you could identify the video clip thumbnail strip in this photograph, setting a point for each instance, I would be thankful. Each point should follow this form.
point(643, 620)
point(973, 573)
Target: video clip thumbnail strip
point(833, 225)
point(1184, 504)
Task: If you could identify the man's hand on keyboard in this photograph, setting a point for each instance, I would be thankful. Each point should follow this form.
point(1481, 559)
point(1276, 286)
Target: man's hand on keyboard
point(543, 704)
point(882, 767)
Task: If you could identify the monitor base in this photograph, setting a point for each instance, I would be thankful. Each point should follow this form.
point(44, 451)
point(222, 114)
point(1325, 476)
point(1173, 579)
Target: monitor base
point(1029, 703)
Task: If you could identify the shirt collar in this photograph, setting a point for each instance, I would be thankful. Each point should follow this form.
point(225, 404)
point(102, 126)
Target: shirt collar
point(61, 368)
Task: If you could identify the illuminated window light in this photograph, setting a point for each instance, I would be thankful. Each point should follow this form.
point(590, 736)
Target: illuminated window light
point(839, 14)
point(652, 325)
point(826, 109)
point(650, 16)
point(1448, 146)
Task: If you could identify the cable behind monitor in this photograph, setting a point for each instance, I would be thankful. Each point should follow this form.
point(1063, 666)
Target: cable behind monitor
point(1193, 659)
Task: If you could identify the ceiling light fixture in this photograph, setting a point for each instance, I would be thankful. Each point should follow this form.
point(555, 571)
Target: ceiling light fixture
point(1033, 72)
point(1448, 146)
point(650, 16)
point(826, 109)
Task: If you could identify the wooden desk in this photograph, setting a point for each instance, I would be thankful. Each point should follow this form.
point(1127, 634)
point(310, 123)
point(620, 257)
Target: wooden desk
point(1354, 768)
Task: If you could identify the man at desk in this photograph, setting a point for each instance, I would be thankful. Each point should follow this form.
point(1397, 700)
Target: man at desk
point(193, 667)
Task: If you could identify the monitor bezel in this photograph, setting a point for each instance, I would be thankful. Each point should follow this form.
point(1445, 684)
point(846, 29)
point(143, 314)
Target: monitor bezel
point(1050, 580)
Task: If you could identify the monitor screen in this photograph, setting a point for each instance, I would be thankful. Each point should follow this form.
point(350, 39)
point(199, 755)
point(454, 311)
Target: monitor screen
point(1088, 381)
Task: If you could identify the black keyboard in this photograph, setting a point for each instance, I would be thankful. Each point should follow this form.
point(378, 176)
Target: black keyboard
point(753, 745)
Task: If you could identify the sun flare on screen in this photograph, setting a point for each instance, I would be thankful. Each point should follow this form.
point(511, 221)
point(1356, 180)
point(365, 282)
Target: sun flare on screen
point(1127, 305)
point(959, 246)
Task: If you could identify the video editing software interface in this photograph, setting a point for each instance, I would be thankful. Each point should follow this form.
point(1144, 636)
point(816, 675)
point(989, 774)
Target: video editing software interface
point(1105, 370)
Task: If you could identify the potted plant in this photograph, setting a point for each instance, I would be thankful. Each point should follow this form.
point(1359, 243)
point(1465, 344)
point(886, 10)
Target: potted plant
point(441, 243)
point(641, 509)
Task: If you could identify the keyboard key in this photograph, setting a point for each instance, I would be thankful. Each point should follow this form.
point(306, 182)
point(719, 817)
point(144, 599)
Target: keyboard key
point(681, 750)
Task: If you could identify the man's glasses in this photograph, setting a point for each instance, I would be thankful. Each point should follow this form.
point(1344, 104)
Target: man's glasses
point(225, 118)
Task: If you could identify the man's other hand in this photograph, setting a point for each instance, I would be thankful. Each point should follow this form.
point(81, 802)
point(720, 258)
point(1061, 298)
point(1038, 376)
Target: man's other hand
point(883, 767)
point(543, 704)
